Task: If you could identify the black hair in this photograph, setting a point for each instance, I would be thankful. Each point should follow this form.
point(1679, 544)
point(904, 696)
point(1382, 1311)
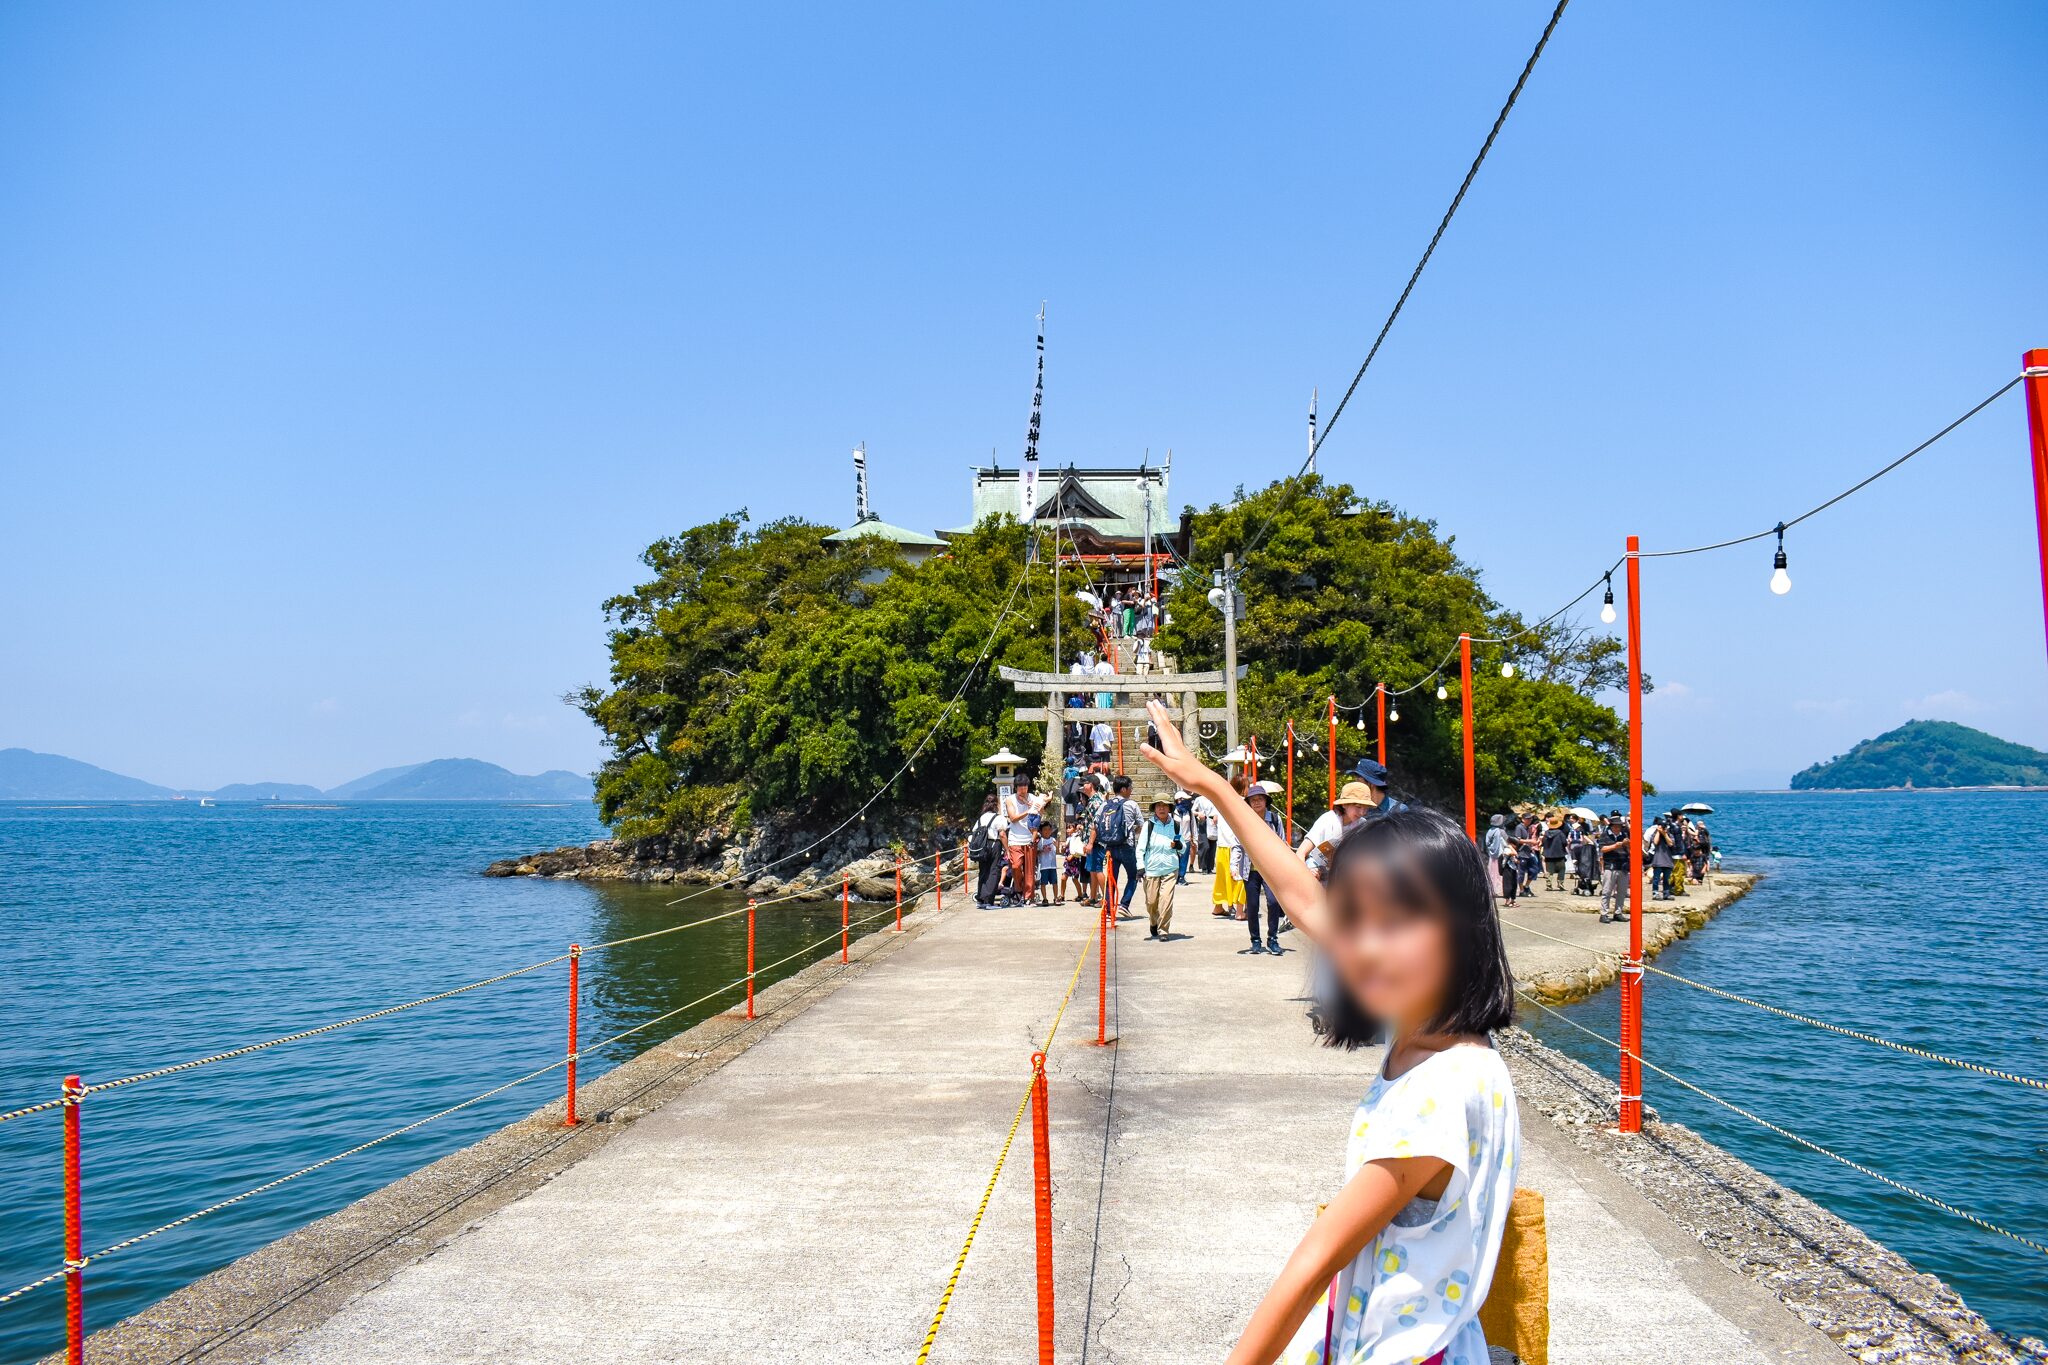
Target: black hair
point(988, 803)
point(1120, 784)
point(1433, 868)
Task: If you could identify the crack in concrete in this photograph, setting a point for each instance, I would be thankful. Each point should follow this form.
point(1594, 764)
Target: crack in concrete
point(1115, 1305)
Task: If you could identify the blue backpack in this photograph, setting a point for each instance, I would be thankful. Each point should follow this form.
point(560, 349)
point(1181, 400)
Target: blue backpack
point(1113, 822)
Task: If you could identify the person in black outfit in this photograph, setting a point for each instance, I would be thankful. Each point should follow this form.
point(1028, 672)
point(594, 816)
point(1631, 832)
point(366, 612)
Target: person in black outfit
point(989, 862)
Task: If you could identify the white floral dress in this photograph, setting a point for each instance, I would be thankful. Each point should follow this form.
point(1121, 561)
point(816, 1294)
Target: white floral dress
point(1416, 1288)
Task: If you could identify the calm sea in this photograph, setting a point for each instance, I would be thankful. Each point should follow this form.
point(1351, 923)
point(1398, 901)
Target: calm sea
point(146, 934)
point(1918, 917)
point(139, 935)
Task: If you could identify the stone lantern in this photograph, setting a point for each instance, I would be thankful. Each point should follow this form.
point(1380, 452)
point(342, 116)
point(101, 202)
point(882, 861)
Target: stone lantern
point(1004, 765)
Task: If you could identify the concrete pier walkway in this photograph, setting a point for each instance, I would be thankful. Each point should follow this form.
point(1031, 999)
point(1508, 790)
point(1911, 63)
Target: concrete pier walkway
point(806, 1201)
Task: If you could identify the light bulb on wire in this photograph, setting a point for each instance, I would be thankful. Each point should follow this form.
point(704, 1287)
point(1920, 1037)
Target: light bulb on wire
point(1442, 693)
point(1781, 582)
point(1359, 724)
point(1507, 670)
point(1607, 602)
point(1394, 714)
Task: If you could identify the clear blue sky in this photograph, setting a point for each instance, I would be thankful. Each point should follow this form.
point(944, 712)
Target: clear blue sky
point(351, 353)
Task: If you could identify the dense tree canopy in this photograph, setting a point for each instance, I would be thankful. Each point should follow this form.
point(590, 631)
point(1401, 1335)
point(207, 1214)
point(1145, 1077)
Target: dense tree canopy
point(1344, 593)
point(757, 671)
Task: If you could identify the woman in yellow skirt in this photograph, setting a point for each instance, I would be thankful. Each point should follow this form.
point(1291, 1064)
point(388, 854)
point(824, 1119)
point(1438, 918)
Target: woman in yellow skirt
point(1227, 900)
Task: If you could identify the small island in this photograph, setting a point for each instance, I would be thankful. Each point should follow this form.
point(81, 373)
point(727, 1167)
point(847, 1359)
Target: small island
point(1928, 754)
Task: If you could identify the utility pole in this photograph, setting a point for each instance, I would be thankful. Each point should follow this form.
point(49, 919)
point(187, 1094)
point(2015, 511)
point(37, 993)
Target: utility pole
point(1058, 512)
point(1230, 649)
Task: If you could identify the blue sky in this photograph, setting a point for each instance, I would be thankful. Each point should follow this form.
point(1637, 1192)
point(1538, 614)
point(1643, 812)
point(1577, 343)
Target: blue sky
point(352, 353)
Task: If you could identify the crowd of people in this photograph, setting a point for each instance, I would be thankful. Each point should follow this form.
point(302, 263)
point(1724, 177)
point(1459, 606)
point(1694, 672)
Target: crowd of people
point(1576, 851)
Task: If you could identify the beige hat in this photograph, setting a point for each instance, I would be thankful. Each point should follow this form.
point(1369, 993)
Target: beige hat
point(1355, 794)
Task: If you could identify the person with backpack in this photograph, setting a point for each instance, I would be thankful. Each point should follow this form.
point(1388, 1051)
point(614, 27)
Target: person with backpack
point(1614, 888)
point(1493, 846)
point(1159, 854)
point(1556, 843)
point(985, 849)
point(1115, 826)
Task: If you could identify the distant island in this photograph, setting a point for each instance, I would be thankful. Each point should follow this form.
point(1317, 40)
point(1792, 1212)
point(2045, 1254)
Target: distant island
point(1929, 753)
point(29, 776)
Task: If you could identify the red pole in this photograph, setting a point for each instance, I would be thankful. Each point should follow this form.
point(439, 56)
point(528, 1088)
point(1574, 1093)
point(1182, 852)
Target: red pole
point(1108, 887)
point(966, 873)
point(1632, 970)
point(1379, 691)
point(1251, 749)
point(1465, 701)
point(575, 964)
point(1289, 821)
point(1102, 978)
point(899, 895)
point(938, 883)
point(1041, 1180)
point(845, 917)
point(2034, 365)
point(750, 957)
point(1333, 750)
point(74, 1230)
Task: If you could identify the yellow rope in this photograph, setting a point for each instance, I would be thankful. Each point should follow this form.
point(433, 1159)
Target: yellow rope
point(988, 1192)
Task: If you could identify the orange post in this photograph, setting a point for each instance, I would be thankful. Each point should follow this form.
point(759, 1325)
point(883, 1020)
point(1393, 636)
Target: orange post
point(1102, 978)
point(1465, 701)
point(1041, 1182)
point(2034, 365)
point(74, 1230)
point(575, 964)
point(1333, 751)
point(1251, 749)
point(1632, 969)
point(845, 917)
point(966, 873)
point(938, 883)
point(750, 957)
point(899, 895)
point(1379, 691)
point(1288, 822)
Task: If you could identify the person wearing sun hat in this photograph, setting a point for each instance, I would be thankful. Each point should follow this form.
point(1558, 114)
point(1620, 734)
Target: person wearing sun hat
point(1260, 796)
point(1352, 803)
point(1374, 776)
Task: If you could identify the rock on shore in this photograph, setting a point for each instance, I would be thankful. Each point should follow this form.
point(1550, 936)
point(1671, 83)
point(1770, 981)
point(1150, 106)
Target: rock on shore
point(771, 859)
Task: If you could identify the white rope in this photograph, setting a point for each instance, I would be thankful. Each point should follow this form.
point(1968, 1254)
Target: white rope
point(1857, 1034)
point(1793, 1137)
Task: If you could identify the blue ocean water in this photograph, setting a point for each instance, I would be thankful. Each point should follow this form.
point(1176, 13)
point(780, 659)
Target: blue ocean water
point(140, 935)
point(1916, 916)
point(150, 933)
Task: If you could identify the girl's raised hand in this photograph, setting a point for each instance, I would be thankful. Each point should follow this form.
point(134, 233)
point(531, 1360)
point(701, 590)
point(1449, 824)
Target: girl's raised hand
point(1171, 755)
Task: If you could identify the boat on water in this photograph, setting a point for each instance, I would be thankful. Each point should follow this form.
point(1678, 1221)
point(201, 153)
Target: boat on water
point(205, 800)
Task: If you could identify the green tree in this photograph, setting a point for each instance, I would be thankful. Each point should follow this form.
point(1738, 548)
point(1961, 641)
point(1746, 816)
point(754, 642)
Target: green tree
point(1345, 593)
point(758, 671)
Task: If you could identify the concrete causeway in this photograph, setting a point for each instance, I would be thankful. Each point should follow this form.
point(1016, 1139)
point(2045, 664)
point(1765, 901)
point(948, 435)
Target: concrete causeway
point(806, 1200)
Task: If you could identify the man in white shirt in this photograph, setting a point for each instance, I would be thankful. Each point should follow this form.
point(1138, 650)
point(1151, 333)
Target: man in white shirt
point(1105, 669)
point(1100, 739)
point(1021, 809)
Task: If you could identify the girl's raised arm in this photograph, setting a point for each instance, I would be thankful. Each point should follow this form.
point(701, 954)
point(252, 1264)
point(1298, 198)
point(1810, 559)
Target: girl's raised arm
point(1300, 894)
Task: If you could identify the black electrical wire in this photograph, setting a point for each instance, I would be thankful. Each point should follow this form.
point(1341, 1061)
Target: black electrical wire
point(1471, 173)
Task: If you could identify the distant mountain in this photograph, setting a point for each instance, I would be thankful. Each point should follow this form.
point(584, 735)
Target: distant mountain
point(29, 776)
point(265, 791)
point(350, 791)
point(464, 779)
point(1929, 753)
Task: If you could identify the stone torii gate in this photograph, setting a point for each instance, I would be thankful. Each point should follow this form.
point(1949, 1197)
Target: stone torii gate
point(1184, 691)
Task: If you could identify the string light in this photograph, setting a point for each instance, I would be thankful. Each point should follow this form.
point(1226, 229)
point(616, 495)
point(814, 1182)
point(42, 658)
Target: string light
point(1394, 714)
point(1442, 693)
point(1507, 670)
point(1607, 602)
point(1781, 582)
point(1360, 724)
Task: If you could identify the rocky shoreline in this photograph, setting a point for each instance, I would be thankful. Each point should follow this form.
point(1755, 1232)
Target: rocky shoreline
point(1868, 1298)
point(1561, 953)
point(776, 859)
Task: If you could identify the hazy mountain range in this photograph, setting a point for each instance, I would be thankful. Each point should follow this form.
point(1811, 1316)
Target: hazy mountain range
point(29, 776)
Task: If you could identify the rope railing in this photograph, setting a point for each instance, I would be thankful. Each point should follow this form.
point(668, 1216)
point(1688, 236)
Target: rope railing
point(156, 1073)
point(1930, 1200)
point(1858, 1034)
point(1002, 1158)
point(567, 1059)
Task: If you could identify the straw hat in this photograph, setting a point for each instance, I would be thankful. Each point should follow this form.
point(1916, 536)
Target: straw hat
point(1355, 794)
